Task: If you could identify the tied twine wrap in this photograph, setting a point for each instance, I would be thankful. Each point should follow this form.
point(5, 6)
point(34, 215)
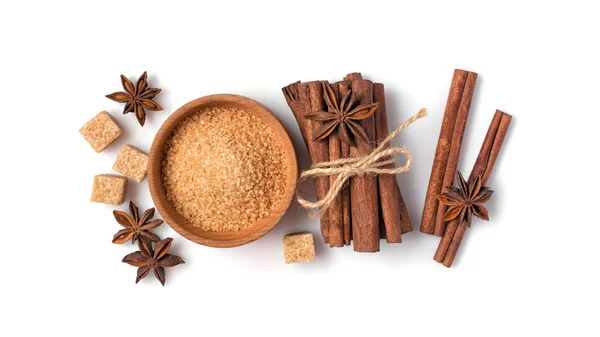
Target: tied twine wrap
point(346, 168)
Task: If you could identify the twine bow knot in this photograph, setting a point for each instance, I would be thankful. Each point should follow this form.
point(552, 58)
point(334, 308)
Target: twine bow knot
point(373, 163)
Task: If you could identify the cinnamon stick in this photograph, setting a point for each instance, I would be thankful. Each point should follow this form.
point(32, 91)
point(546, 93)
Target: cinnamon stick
point(455, 145)
point(364, 199)
point(336, 212)
point(448, 247)
point(446, 240)
point(298, 97)
point(343, 88)
point(454, 244)
point(353, 77)
point(347, 214)
point(442, 151)
point(290, 92)
point(484, 167)
point(320, 151)
point(393, 210)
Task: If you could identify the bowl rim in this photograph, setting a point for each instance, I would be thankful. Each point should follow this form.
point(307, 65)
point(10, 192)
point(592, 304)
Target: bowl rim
point(176, 220)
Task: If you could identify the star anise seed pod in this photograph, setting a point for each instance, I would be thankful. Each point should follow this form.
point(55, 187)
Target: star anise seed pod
point(343, 116)
point(156, 259)
point(137, 98)
point(466, 200)
point(136, 227)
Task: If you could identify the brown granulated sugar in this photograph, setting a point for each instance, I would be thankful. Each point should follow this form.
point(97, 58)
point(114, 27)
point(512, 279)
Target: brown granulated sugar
point(223, 169)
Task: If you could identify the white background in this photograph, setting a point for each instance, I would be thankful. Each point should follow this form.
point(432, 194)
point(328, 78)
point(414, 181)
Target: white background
point(531, 270)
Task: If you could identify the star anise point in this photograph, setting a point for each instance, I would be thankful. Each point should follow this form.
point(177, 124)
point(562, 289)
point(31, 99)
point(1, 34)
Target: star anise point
point(157, 259)
point(137, 98)
point(342, 115)
point(466, 200)
point(136, 228)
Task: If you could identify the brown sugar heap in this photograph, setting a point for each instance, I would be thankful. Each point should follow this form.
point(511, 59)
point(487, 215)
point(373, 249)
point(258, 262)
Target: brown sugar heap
point(223, 169)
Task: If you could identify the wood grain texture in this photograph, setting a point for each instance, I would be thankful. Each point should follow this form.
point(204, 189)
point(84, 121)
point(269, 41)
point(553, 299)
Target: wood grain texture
point(442, 151)
point(179, 223)
point(455, 145)
point(364, 198)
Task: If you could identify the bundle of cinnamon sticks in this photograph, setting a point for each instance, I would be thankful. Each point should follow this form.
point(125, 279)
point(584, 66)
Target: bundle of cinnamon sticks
point(371, 207)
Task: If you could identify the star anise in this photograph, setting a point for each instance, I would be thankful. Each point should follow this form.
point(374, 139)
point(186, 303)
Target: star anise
point(343, 116)
point(137, 98)
point(466, 200)
point(136, 227)
point(156, 259)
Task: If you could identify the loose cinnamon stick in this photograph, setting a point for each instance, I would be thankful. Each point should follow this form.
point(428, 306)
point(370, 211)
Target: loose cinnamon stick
point(364, 199)
point(448, 247)
point(446, 240)
point(298, 96)
point(455, 145)
point(454, 244)
point(393, 210)
point(343, 88)
point(336, 212)
point(442, 151)
point(484, 167)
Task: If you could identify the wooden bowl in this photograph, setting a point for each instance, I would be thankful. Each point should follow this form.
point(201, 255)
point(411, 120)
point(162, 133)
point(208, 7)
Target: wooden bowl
point(179, 223)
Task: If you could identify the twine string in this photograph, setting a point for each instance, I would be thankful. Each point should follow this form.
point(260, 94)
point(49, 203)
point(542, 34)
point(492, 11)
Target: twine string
point(373, 163)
